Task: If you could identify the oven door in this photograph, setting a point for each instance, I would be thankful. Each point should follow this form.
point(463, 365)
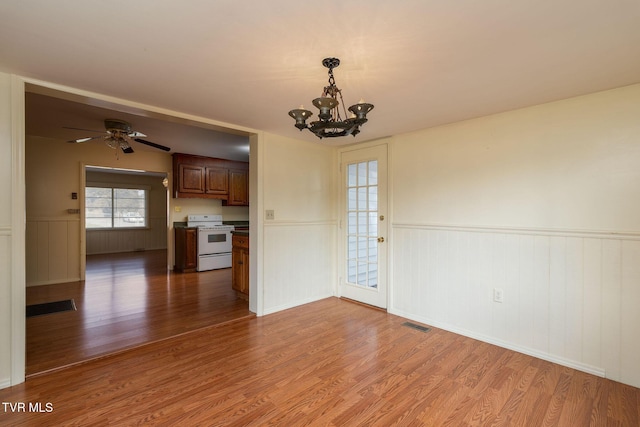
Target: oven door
point(214, 241)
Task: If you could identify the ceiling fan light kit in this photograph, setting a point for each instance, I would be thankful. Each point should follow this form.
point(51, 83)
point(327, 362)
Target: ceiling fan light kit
point(119, 136)
point(330, 123)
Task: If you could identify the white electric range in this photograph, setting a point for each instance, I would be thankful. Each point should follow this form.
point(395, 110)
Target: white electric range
point(214, 241)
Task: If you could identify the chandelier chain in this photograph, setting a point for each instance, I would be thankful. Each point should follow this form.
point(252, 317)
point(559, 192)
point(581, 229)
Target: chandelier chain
point(333, 91)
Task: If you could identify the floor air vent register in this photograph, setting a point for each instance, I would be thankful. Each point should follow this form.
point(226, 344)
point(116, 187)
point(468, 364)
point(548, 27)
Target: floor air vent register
point(418, 327)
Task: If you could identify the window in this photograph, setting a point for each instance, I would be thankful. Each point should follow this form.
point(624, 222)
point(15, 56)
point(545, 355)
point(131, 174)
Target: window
point(109, 207)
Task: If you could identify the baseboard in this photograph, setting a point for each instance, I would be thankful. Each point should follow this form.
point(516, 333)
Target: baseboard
point(4, 383)
point(125, 251)
point(295, 304)
point(53, 282)
point(594, 370)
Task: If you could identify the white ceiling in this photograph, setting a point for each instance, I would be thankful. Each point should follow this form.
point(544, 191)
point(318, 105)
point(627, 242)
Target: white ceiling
point(420, 62)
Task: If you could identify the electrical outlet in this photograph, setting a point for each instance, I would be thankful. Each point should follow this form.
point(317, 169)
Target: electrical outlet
point(498, 295)
point(177, 208)
point(269, 214)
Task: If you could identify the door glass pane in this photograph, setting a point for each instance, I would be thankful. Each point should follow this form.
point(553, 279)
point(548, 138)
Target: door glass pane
point(373, 224)
point(362, 248)
point(351, 199)
point(362, 223)
point(362, 273)
point(351, 175)
point(373, 199)
point(352, 225)
point(373, 173)
point(352, 271)
point(352, 248)
point(362, 173)
point(362, 198)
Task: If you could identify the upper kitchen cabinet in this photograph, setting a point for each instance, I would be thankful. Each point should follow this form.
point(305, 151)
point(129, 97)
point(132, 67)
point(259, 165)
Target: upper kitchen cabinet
point(238, 188)
point(210, 178)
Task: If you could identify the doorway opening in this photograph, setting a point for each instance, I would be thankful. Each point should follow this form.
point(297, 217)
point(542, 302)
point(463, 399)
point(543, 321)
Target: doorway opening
point(125, 293)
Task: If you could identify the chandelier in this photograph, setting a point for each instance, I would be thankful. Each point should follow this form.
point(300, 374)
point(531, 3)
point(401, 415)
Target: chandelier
point(330, 123)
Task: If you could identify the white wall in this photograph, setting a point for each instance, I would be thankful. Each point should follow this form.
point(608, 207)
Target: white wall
point(300, 243)
point(542, 202)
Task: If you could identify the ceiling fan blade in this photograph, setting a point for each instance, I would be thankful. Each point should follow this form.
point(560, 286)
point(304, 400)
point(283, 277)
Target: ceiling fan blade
point(152, 144)
point(127, 150)
point(136, 134)
point(86, 130)
point(81, 140)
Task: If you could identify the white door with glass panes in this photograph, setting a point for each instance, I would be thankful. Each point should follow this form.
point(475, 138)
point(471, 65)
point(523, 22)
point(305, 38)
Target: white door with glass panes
point(364, 225)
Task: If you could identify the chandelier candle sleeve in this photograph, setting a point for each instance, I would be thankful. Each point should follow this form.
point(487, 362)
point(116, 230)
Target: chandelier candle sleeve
point(330, 123)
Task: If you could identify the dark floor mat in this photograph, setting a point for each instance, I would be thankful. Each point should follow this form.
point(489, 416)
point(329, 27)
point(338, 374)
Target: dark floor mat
point(50, 307)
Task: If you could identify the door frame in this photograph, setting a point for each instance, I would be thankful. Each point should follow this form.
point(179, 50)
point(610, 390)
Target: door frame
point(16, 99)
point(384, 264)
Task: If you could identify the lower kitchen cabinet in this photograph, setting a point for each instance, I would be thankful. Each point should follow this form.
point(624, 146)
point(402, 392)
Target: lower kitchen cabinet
point(186, 248)
point(240, 265)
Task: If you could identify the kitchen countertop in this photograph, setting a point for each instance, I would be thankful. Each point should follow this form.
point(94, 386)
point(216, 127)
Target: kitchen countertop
point(239, 225)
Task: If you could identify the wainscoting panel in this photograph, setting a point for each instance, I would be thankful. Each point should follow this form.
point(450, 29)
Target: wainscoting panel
point(630, 313)
point(299, 263)
point(128, 240)
point(569, 297)
point(53, 246)
point(5, 308)
point(52, 251)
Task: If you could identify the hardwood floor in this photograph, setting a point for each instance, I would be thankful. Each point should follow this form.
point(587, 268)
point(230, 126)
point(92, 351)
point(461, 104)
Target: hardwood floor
point(126, 300)
point(330, 362)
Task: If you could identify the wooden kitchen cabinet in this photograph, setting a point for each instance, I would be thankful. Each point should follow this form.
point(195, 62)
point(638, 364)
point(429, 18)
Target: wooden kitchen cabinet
point(240, 265)
point(216, 181)
point(211, 178)
point(191, 179)
point(238, 188)
point(186, 249)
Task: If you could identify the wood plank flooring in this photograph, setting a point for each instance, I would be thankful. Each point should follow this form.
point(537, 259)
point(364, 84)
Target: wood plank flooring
point(330, 362)
point(126, 300)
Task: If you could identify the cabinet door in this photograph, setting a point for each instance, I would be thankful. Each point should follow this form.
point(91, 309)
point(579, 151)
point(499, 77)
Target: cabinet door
point(186, 249)
point(191, 248)
point(217, 181)
point(237, 278)
point(238, 188)
point(245, 272)
point(191, 179)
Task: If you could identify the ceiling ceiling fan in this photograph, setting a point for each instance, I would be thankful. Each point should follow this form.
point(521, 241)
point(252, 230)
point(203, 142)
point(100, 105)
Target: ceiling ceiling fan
point(119, 134)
